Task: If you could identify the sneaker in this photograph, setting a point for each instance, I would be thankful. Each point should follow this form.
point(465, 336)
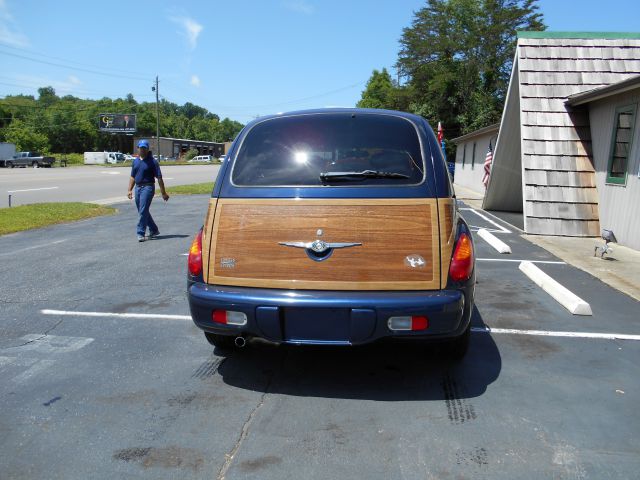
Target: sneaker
point(141, 238)
point(154, 234)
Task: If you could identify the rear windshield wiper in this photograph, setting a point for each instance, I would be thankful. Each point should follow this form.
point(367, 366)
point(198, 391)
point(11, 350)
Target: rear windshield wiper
point(362, 175)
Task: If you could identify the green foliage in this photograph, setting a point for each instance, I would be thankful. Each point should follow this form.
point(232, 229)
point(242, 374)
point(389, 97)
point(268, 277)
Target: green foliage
point(69, 124)
point(26, 137)
point(194, 189)
point(456, 59)
point(38, 215)
point(190, 154)
point(380, 91)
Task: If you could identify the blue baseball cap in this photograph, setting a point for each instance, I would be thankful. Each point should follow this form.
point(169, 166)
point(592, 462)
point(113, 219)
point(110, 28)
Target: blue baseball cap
point(143, 143)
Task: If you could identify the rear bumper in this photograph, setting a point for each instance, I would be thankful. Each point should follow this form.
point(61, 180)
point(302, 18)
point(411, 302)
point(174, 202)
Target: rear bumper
point(330, 317)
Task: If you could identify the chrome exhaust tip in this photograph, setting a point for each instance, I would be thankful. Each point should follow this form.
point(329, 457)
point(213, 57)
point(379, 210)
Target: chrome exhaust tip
point(240, 342)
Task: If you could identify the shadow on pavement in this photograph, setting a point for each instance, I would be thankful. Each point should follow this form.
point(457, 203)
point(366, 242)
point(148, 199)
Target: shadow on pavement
point(167, 237)
point(382, 371)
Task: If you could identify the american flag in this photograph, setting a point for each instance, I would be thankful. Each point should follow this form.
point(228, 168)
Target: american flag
point(441, 140)
point(487, 166)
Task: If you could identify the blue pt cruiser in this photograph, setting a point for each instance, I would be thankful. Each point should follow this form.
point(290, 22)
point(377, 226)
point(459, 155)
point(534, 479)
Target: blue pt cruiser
point(333, 227)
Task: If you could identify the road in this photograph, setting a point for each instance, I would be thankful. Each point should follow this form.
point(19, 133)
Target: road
point(86, 184)
point(103, 375)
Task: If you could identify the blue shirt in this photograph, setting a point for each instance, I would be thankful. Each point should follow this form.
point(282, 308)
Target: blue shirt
point(145, 170)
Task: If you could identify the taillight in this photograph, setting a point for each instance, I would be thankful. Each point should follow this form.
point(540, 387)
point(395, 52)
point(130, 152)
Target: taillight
point(195, 256)
point(462, 261)
point(229, 317)
point(413, 323)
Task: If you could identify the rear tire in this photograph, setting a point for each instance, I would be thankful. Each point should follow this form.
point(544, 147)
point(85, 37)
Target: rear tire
point(221, 341)
point(457, 348)
point(34, 164)
point(9, 164)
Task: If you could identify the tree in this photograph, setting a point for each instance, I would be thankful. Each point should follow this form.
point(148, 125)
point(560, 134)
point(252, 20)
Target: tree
point(69, 124)
point(456, 58)
point(25, 137)
point(380, 91)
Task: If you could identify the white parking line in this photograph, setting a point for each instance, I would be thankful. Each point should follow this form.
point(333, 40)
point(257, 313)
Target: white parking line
point(484, 217)
point(13, 252)
point(547, 333)
point(509, 331)
point(116, 315)
point(518, 261)
point(32, 189)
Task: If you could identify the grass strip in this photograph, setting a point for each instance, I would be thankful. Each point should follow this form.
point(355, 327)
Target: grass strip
point(194, 189)
point(38, 215)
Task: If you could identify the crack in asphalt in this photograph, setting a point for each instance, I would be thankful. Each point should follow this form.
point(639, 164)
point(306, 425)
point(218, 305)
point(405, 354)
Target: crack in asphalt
point(41, 336)
point(244, 432)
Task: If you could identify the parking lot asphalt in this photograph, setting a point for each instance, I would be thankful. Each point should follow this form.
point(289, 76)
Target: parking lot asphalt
point(96, 183)
point(91, 395)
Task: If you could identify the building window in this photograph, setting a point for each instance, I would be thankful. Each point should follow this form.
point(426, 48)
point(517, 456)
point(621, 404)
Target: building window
point(473, 155)
point(464, 154)
point(621, 144)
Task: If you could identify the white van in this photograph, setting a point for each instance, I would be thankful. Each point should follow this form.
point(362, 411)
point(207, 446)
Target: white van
point(201, 159)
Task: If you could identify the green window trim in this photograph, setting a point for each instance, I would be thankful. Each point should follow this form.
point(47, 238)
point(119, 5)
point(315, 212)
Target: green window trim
point(473, 156)
point(627, 110)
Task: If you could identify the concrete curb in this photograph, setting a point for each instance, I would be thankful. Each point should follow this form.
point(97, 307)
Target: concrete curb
point(494, 241)
point(562, 295)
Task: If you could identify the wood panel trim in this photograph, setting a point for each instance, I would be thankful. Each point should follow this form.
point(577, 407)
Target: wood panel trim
point(206, 239)
point(327, 201)
point(433, 284)
point(446, 214)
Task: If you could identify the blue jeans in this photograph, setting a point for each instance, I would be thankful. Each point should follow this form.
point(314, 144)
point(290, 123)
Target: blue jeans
point(144, 195)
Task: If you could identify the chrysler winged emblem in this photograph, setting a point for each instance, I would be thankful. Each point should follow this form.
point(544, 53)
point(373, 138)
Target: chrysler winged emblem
point(320, 246)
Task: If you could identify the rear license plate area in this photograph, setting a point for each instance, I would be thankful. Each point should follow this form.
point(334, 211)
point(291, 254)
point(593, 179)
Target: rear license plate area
point(317, 325)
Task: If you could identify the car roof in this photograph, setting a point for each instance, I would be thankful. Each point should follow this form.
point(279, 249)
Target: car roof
point(318, 111)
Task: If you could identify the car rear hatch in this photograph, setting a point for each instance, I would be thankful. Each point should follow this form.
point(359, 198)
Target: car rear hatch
point(281, 224)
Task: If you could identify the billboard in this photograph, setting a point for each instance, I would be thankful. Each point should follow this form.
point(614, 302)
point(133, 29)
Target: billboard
point(117, 123)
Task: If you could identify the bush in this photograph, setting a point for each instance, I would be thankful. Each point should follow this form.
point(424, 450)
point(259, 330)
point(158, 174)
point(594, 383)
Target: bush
point(190, 154)
point(71, 158)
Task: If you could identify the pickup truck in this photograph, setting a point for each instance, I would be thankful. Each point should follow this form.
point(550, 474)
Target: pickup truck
point(29, 159)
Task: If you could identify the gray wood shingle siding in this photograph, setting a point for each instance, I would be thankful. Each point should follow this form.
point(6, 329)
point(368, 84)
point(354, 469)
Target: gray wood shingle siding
point(559, 194)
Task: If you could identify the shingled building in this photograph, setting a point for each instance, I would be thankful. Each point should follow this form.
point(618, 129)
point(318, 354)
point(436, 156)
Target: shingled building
point(544, 164)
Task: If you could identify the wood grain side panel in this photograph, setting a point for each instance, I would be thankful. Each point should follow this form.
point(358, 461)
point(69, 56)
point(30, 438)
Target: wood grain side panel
point(206, 237)
point(446, 207)
point(249, 232)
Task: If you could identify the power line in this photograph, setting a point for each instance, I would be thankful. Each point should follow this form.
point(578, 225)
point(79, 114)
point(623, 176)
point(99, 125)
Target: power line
point(75, 91)
point(288, 102)
point(31, 52)
point(79, 69)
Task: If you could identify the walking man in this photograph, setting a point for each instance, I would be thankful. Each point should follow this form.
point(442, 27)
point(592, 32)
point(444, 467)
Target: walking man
point(144, 171)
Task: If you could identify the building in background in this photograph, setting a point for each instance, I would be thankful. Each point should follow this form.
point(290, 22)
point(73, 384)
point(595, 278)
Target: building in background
point(615, 140)
point(471, 150)
point(177, 147)
point(567, 150)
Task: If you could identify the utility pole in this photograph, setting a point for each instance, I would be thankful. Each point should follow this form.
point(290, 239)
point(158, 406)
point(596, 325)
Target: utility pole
point(155, 89)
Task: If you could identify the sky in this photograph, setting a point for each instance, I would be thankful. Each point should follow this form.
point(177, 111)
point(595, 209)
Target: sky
point(239, 59)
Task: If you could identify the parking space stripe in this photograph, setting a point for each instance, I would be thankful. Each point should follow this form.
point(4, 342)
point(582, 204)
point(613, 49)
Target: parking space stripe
point(155, 316)
point(484, 217)
point(546, 333)
point(510, 331)
point(32, 189)
point(551, 262)
point(13, 252)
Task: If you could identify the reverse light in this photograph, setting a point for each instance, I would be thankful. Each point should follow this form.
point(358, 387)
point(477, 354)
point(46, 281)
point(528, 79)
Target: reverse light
point(413, 323)
point(195, 256)
point(228, 317)
point(462, 261)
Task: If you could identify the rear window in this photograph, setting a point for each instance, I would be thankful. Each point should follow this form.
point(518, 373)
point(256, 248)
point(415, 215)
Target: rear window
point(301, 150)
